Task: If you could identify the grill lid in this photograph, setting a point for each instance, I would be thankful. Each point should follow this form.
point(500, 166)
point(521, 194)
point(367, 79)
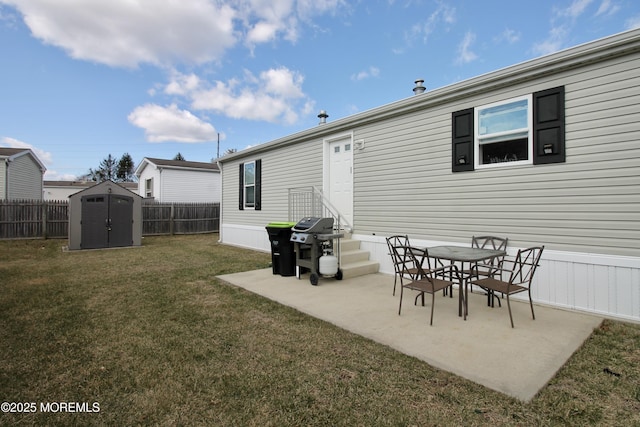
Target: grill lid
point(314, 225)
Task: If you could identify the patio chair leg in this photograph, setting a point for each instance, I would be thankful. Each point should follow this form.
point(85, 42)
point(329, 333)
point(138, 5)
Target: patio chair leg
point(531, 304)
point(510, 315)
point(400, 306)
point(433, 303)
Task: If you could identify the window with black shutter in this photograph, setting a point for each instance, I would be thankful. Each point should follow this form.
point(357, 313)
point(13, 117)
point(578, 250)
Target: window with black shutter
point(462, 131)
point(519, 131)
point(250, 185)
point(548, 126)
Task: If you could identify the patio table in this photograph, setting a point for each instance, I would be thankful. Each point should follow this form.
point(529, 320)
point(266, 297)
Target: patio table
point(463, 254)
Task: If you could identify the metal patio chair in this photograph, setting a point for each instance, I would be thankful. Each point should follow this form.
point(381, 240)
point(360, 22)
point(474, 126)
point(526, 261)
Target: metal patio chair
point(520, 276)
point(427, 280)
point(487, 242)
point(400, 267)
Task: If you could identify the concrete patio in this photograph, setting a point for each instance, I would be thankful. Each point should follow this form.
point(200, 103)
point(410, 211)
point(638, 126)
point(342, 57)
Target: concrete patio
point(484, 348)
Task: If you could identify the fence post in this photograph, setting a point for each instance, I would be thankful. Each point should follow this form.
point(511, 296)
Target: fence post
point(44, 219)
point(172, 219)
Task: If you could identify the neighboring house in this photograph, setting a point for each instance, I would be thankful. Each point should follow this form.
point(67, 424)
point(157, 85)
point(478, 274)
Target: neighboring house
point(21, 174)
point(178, 181)
point(543, 152)
point(61, 190)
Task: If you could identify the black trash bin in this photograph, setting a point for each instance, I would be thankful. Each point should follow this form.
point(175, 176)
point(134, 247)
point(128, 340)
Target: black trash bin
point(283, 256)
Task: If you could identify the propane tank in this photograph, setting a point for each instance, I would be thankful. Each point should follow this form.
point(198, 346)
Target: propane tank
point(328, 265)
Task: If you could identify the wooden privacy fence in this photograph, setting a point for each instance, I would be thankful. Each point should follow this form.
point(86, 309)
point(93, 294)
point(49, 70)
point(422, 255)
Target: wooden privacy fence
point(180, 218)
point(49, 219)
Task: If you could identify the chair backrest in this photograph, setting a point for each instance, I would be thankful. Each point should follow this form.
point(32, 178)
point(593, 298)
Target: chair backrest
point(489, 242)
point(394, 242)
point(524, 266)
point(397, 240)
point(414, 259)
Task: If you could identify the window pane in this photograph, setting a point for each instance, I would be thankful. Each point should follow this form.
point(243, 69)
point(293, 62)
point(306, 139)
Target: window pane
point(503, 118)
point(249, 197)
point(347, 147)
point(505, 151)
point(249, 173)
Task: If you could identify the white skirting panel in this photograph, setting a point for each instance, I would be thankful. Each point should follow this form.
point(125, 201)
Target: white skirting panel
point(245, 236)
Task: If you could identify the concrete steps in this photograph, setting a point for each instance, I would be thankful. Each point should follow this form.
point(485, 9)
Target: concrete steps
point(354, 261)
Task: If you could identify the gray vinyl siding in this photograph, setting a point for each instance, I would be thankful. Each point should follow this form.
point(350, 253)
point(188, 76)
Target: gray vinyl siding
point(3, 179)
point(189, 186)
point(25, 179)
point(591, 203)
point(403, 181)
point(298, 165)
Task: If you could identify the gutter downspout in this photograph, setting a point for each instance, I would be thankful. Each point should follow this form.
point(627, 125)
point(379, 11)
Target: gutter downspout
point(6, 178)
point(220, 239)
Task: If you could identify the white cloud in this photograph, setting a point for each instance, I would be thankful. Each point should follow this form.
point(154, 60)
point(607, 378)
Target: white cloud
point(553, 43)
point(125, 33)
point(465, 55)
point(575, 9)
point(274, 96)
point(607, 8)
point(365, 74)
point(44, 156)
point(633, 22)
point(171, 124)
point(182, 84)
point(439, 20)
point(563, 21)
point(510, 36)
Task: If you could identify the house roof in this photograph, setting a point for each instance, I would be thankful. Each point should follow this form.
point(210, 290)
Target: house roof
point(176, 164)
point(13, 153)
point(592, 52)
point(85, 184)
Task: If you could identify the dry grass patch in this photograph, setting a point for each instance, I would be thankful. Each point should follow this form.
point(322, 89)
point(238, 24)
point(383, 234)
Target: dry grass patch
point(151, 335)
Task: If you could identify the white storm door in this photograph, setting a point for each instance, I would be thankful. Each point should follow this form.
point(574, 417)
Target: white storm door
point(340, 191)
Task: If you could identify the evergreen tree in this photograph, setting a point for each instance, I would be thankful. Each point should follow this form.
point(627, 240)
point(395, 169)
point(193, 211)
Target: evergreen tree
point(125, 168)
point(179, 157)
point(112, 169)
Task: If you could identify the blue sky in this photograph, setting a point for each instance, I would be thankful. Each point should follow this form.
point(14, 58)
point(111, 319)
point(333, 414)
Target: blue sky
point(82, 79)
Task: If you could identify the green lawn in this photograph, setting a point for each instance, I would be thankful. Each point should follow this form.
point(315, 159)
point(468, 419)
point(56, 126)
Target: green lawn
point(153, 338)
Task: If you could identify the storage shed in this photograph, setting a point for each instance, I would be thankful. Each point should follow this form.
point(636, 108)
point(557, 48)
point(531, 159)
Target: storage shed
point(105, 215)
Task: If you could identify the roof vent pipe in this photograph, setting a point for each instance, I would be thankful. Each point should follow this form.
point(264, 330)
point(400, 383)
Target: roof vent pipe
point(323, 117)
point(419, 87)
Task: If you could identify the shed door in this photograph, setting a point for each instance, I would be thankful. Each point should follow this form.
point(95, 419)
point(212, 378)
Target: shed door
point(95, 214)
point(107, 221)
point(341, 177)
point(120, 220)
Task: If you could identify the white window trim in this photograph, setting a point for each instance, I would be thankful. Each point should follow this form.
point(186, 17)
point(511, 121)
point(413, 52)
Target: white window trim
point(245, 186)
point(148, 187)
point(528, 132)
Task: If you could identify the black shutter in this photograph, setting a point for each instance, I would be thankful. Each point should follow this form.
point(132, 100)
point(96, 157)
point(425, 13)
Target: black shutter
point(258, 182)
point(548, 126)
point(241, 190)
point(462, 140)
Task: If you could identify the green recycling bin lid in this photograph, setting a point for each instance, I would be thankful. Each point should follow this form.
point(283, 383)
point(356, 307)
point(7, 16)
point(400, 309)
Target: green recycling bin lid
point(281, 224)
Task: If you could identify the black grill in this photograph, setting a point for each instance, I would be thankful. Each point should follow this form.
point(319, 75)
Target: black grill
point(313, 237)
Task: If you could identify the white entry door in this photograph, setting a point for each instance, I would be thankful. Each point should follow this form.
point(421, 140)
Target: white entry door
point(340, 179)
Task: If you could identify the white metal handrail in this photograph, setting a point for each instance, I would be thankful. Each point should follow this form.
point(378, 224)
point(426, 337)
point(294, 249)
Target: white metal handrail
point(311, 202)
